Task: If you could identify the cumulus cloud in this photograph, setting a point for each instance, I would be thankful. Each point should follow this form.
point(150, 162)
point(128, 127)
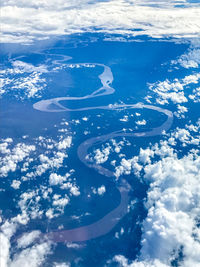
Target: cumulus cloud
point(124, 119)
point(180, 111)
point(127, 166)
point(27, 239)
point(25, 159)
point(5, 247)
point(123, 262)
point(74, 189)
point(175, 91)
point(48, 163)
point(173, 201)
point(31, 84)
point(186, 135)
point(12, 157)
point(53, 162)
point(23, 21)
point(142, 122)
point(61, 264)
point(102, 156)
point(55, 179)
point(61, 202)
point(100, 190)
point(24, 79)
point(65, 143)
point(145, 155)
point(16, 184)
point(191, 58)
point(33, 256)
point(21, 67)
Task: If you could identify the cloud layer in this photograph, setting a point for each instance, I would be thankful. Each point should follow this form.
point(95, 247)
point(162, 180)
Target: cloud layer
point(23, 21)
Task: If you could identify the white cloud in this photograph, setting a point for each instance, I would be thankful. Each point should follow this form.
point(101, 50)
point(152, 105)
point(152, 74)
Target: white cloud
point(124, 119)
point(173, 207)
point(182, 134)
point(173, 202)
point(16, 184)
point(74, 245)
point(142, 122)
point(61, 202)
point(180, 111)
point(55, 161)
point(31, 84)
point(23, 21)
point(145, 155)
point(174, 91)
point(101, 156)
point(61, 264)
point(193, 78)
point(195, 96)
point(118, 145)
point(24, 158)
point(85, 119)
point(50, 213)
point(123, 261)
point(101, 190)
point(127, 166)
point(4, 148)
point(4, 251)
point(28, 239)
point(22, 67)
point(55, 179)
point(24, 79)
point(65, 143)
point(13, 156)
point(74, 190)
point(191, 58)
point(187, 136)
point(33, 256)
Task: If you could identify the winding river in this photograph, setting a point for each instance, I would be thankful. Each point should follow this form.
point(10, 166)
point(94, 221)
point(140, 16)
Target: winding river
point(110, 220)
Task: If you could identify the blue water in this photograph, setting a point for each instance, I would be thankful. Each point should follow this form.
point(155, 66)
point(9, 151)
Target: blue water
point(133, 65)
